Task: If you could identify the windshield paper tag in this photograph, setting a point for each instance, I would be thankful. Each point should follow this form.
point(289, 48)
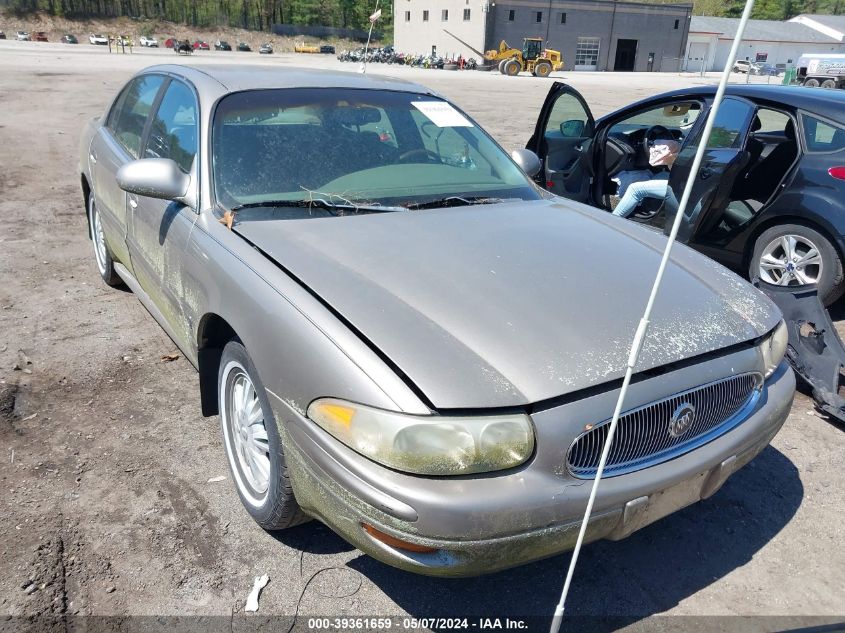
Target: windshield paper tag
point(441, 114)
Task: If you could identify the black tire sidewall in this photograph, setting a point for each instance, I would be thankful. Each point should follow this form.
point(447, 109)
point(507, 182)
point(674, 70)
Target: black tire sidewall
point(831, 285)
point(279, 501)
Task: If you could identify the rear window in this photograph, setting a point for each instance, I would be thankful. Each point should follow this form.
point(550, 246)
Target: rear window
point(822, 136)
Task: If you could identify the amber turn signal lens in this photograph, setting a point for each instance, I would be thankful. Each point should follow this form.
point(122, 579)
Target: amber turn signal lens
point(395, 542)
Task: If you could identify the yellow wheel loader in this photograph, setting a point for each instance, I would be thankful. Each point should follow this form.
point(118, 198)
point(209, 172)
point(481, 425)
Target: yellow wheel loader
point(533, 58)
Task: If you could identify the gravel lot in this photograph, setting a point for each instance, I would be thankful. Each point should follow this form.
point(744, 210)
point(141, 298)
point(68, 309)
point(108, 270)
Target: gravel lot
point(107, 505)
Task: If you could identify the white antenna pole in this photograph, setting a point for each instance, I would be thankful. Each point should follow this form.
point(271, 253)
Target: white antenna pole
point(639, 336)
point(367, 46)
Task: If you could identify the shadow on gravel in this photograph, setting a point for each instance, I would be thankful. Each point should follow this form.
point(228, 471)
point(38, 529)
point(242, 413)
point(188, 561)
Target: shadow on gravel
point(649, 572)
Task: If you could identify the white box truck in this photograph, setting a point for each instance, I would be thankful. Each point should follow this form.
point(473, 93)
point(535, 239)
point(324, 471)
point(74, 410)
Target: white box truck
point(819, 69)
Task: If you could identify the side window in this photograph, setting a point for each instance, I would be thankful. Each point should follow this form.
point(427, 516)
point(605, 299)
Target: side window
point(822, 136)
point(731, 124)
point(568, 118)
point(130, 112)
point(173, 131)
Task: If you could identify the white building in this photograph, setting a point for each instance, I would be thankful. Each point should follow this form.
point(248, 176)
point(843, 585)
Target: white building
point(766, 41)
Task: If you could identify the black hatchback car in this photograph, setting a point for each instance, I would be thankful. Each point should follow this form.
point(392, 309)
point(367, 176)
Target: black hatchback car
point(222, 45)
point(769, 198)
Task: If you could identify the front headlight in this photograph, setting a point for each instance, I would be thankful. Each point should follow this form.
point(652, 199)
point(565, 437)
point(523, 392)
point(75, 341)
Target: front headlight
point(428, 445)
point(773, 348)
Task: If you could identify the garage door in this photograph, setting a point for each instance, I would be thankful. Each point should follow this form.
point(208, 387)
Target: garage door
point(697, 55)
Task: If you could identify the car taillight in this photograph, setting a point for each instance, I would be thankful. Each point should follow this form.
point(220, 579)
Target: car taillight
point(837, 172)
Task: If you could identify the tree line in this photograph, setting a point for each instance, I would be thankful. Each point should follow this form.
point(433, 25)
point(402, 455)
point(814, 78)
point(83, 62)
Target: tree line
point(262, 14)
point(257, 15)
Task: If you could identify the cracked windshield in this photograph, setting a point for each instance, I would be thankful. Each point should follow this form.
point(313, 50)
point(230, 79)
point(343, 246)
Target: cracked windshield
point(355, 150)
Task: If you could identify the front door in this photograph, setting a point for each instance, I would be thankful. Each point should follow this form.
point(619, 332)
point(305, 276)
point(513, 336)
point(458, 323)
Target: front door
point(724, 158)
point(563, 141)
point(159, 229)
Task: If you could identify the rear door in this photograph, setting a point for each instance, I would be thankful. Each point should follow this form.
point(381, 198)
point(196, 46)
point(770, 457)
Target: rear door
point(724, 158)
point(563, 141)
point(117, 143)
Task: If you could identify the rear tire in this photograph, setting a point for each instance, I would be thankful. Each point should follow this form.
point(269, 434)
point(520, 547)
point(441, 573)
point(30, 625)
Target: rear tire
point(102, 254)
point(829, 83)
point(253, 446)
point(773, 244)
point(812, 83)
point(512, 68)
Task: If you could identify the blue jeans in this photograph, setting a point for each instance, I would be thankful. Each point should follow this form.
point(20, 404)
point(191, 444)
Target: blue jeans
point(639, 191)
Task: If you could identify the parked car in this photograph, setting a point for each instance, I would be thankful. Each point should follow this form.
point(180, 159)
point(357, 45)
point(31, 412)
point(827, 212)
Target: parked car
point(39, 36)
point(69, 39)
point(23, 36)
point(2, 35)
point(170, 42)
point(243, 46)
point(222, 45)
point(266, 49)
point(98, 39)
point(327, 49)
point(199, 45)
point(410, 363)
point(766, 201)
point(744, 66)
point(769, 70)
point(149, 42)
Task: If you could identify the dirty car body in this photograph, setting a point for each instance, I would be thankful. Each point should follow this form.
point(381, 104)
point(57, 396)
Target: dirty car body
point(390, 332)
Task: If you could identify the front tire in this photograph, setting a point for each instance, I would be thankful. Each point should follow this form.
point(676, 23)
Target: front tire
point(829, 83)
point(796, 255)
point(811, 83)
point(253, 446)
point(512, 68)
point(102, 254)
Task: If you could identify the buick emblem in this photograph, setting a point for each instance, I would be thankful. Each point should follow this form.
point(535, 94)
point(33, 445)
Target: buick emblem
point(681, 420)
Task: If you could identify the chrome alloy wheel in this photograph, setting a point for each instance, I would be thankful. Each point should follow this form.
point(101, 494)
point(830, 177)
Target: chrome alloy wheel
point(790, 260)
point(97, 236)
point(247, 445)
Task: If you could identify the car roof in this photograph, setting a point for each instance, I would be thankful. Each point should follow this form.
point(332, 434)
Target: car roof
point(828, 103)
point(237, 77)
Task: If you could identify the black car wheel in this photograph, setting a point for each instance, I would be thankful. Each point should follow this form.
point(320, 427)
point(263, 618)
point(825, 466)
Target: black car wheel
point(812, 83)
point(796, 255)
point(253, 445)
point(829, 83)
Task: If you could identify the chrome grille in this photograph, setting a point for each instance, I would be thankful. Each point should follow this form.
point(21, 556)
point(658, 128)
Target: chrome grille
point(643, 438)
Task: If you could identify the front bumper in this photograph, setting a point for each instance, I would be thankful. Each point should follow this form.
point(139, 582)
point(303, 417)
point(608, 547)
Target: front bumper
point(481, 524)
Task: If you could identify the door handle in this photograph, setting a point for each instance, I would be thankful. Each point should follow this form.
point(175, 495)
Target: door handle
point(133, 202)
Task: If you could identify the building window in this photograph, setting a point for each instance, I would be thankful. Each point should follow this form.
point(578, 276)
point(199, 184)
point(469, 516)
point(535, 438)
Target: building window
point(677, 22)
point(425, 16)
point(407, 16)
point(444, 15)
point(538, 16)
point(511, 15)
point(587, 53)
point(563, 18)
point(466, 15)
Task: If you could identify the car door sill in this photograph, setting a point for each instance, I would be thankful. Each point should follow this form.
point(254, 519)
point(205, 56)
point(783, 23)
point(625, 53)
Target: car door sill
point(129, 279)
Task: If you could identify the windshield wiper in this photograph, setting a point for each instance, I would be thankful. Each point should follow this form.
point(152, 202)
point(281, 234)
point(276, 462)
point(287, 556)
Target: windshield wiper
point(453, 201)
point(318, 203)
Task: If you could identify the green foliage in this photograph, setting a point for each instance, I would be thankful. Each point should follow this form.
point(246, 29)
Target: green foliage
point(769, 9)
point(249, 14)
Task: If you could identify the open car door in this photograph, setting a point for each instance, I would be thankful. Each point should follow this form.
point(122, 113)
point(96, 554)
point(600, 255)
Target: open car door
point(563, 140)
point(724, 160)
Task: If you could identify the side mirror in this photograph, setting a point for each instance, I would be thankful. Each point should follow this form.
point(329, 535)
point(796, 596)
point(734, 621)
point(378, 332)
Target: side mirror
point(154, 178)
point(572, 128)
point(527, 160)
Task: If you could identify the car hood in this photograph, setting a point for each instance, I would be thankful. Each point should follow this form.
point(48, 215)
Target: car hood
point(509, 304)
